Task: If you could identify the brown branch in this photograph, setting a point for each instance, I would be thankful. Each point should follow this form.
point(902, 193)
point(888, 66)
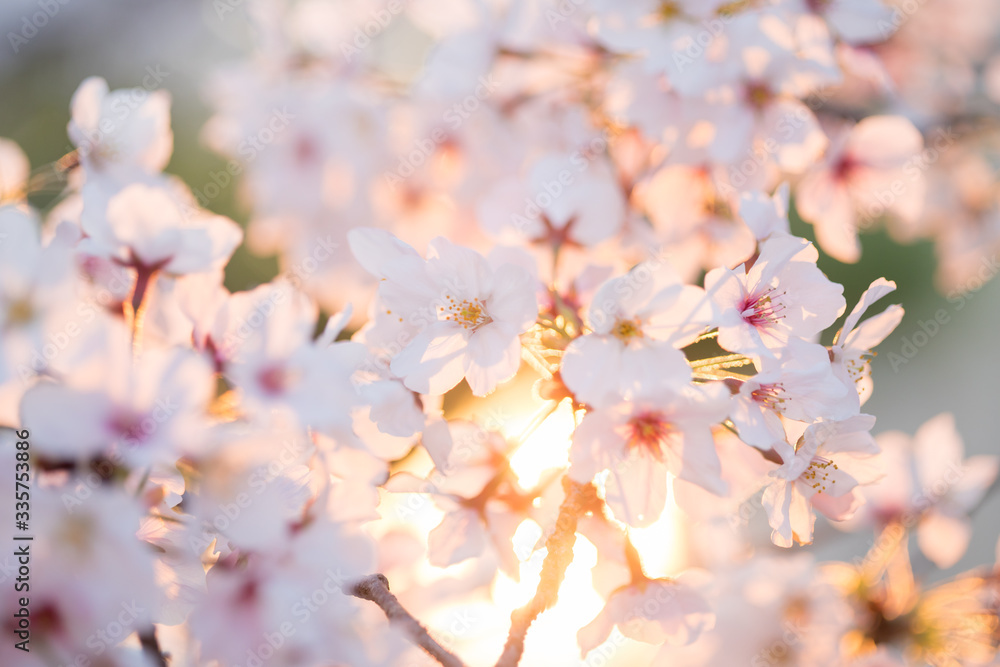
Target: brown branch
point(579, 498)
point(375, 588)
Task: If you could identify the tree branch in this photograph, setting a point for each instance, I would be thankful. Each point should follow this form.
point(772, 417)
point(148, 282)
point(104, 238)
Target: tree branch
point(375, 588)
point(579, 498)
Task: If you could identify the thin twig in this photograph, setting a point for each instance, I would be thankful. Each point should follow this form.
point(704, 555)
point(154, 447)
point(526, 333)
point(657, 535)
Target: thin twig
point(579, 497)
point(375, 588)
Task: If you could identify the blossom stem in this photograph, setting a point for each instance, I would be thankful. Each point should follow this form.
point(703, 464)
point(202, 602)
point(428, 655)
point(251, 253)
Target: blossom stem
point(726, 361)
point(579, 498)
point(375, 588)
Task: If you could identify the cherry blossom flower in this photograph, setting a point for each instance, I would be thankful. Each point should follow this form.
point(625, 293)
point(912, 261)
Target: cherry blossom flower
point(851, 352)
point(868, 170)
point(638, 322)
point(652, 611)
point(115, 132)
point(781, 297)
point(801, 386)
point(145, 410)
point(564, 199)
point(450, 316)
point(472, 484)
point(146, 228)
point(641, 440)
point(831, 460)
point(278, 368)
point(930, 484)
point(695, 216)
point(766, 216)
point(768, 611)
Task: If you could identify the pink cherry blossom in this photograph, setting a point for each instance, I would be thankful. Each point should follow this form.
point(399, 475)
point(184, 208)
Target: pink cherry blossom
point(450, 316)
point(781, 297)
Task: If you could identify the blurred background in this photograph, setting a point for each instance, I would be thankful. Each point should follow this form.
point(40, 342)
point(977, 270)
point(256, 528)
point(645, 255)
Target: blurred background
point(954, 370)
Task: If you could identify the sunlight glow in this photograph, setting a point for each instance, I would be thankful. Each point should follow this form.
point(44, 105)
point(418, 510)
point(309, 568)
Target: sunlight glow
point(547, 448)
point(661, 544)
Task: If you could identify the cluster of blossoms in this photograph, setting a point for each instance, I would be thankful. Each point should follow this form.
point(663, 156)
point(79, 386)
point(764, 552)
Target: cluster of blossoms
point(591, 197)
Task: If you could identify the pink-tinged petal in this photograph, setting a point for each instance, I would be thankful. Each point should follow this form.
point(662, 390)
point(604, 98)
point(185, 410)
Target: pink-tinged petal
point(595, 446)
point(976, 476)
point(777, 502)
point(757, 425)
point(407, 482)
point(596, 632)
point(688, 613)
point(860, 22)
point(513, 300)
point(434, 361)
point(650, 367)
point(870, 333)
point(938, 450)
point(66, 423)
point(826, 203)
point(438, 442)
point(464, 272)
point(14, 170)
point(674, 198)
point(379, 252)
point(501, 526)
point(636, 489)
point(744, 338)
point(878, 289)
point(804, 145)
point(680, 315)
point(85, 108)
point(812, 301)
point(943, 539)
point(884, 142)
point(848, 435)
point(725, 287)
point(863, 468)
point(623, 296)
point(458, 537)
point(503, 209)
point(207, 247)
point(775, 255)
point(838, 508)
point(494, 355)
point(801, 517)
point(590, 367)
point(765, 215)
point(692, 457)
